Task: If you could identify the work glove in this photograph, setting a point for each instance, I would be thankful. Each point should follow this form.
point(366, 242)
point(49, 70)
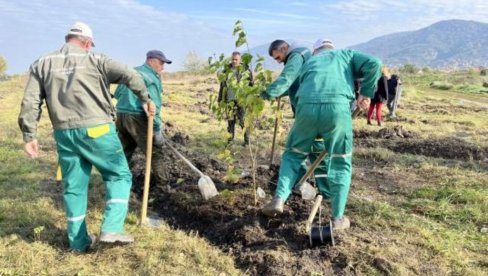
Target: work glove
point(158, 139)
point(149, 108)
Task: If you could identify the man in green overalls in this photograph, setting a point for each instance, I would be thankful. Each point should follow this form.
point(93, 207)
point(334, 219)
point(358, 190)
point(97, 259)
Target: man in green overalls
point(131, 120)
point(74, 83)
point(287, 83)
point(323, 109)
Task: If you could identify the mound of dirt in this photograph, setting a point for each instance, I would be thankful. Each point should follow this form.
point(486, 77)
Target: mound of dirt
point(385, 133)
point(447, 148)
point(260, 246)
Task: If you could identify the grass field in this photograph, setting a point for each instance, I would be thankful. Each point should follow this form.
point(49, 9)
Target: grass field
point(419, 206)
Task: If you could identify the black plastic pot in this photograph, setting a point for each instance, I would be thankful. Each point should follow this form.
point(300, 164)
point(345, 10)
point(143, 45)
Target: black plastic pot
point(322, 234)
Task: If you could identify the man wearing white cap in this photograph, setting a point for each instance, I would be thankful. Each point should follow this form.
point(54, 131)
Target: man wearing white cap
point(131, 120)
point(326, 89)
point(322, 43)
point(74, 83)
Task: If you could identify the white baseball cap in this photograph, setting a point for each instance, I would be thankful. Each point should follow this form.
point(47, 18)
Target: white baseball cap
point(80, 28)
point(323, 42)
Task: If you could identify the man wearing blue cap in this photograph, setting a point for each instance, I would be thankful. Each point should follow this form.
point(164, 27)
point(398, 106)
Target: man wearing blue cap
point(131, 122)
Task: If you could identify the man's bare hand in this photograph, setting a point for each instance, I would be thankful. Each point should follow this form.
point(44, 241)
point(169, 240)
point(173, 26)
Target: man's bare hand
point(32, 148)
point(149, 108)
point(363, 102)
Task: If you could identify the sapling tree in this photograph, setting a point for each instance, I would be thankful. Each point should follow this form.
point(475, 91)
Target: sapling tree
point(247, 95)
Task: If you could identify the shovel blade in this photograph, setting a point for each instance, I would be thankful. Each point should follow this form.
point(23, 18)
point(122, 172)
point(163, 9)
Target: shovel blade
point(207, 187)
point(307, 191)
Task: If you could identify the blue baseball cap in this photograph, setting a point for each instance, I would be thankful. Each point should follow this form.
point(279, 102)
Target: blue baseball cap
point(159, 55)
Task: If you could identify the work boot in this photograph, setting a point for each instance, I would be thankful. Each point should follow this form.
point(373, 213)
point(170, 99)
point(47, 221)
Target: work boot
point(341, 224)
point(274, 207)
point(93, 239)
point(107, 237)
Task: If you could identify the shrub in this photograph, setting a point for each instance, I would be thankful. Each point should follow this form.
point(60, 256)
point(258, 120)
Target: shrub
point(426, 69)
point(409, 69)
point(194, 64)
point(441, 85)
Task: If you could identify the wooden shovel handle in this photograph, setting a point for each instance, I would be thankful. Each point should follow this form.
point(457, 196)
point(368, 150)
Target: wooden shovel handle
point(275, 131)
point(312, 168)
point(315, 207)
point(147, 175)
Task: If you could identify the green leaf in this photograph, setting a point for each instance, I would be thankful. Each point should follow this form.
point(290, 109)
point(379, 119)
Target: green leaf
point(236, 30)
point(241, 40)
point(260, 58)
point(258, 68)
point(246, 58)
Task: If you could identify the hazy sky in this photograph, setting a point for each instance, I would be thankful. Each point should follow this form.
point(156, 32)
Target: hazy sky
point(126, 29)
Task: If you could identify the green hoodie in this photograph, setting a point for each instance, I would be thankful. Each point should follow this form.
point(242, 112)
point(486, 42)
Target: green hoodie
point(128, 103)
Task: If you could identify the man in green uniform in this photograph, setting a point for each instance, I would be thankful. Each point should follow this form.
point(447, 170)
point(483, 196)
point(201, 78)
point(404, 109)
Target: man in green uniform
point(131, 120)
point(74, 83)
point(323, 109)
point(287, 83)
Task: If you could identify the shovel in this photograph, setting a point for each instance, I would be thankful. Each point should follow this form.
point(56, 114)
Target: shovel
point(356, 112)
point(303, 180)
point(147, 175)
point(205, 184)
point(274, 133)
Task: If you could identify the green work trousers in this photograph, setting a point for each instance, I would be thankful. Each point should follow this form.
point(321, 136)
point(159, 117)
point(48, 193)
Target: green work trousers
point(80, 149)
point(132, 131)
point(333, 123)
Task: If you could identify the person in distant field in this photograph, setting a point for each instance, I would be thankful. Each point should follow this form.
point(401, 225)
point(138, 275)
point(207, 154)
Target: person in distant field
point(326, 89)
point(394, 93)
point(74, 83)
point(228, 96)
point(131, 122)
point(380, 96)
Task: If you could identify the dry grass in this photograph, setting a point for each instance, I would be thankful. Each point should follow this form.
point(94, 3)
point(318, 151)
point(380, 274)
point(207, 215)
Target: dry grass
point(32, 221)
point(411, 214)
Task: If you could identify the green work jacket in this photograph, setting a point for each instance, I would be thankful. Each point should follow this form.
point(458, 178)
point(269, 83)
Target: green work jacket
point(328, 76)
point(287, 82)
point(75, 84)
point(127, 102)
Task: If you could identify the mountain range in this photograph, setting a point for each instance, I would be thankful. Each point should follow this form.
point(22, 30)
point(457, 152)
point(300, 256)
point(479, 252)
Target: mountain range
point(449, 44)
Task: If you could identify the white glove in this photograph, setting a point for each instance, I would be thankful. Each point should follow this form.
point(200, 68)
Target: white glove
point(158, 139)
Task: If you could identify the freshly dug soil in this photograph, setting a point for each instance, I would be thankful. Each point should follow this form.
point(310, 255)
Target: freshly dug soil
point(231, 221)
point(401, 141)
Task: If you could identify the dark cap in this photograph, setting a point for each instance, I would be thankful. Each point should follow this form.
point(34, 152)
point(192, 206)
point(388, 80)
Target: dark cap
point(159, 55)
